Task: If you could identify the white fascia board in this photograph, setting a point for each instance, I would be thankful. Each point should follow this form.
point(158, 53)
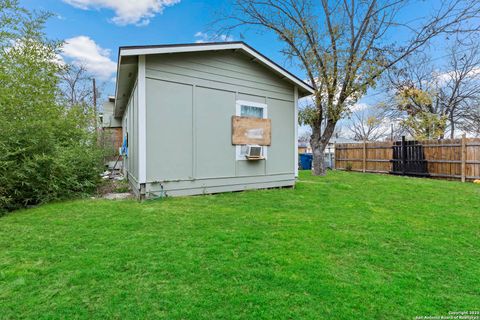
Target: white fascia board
point(116, 84)
point(210, 47)
point(295, 128)
point(142, 121)
point(177, 49)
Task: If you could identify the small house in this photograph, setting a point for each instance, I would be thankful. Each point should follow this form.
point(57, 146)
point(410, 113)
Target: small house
point(111, 132)
point(304, 147)
point(329, 153)
point(231, 112)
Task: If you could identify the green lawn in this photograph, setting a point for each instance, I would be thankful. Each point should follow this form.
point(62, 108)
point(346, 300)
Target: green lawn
point(345, 246)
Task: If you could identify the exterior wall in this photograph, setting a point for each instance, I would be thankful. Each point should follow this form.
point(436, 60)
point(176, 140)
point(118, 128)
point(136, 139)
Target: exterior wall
point(112, 139)
point(304, 149)
point(190, 99)
point(130, 127)
point(108, 120)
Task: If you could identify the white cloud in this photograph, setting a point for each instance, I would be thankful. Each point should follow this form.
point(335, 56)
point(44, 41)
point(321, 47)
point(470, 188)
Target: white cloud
point(59, 60)
point(203, 37)
point(138, 12)
point(358, 107)
point(84, 51)
point(444, 77)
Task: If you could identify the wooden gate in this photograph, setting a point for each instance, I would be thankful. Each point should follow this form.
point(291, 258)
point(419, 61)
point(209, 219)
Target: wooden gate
point(409, 158)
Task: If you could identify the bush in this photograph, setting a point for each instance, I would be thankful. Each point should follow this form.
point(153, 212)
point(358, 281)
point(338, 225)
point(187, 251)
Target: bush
point(37, 166)
point(47, 151)
point(349, 166)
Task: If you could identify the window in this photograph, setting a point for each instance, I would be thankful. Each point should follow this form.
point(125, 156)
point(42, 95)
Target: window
point(250, 109)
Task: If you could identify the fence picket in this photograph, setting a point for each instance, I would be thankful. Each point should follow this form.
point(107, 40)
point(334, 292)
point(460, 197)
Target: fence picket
point(457, 159)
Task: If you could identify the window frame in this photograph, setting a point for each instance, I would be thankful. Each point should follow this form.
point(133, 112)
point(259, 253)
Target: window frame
point(238, 112)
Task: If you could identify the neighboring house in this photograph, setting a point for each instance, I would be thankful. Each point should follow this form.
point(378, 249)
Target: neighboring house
point(329, 153)
point(304, 147)
point(214, 100)
point(111, 127)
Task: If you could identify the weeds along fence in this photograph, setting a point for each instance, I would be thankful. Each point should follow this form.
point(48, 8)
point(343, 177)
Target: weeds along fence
point(453, 159)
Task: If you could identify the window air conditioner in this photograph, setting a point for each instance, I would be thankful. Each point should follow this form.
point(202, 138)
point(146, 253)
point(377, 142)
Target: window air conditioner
point(254, 152)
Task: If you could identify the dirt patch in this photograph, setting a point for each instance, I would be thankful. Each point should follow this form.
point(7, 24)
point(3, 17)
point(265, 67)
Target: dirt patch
point(112, 186)
point(118, 196)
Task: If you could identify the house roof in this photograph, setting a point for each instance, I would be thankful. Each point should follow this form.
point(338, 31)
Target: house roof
point(342, 140)
point(333, 140)
point(128, 55)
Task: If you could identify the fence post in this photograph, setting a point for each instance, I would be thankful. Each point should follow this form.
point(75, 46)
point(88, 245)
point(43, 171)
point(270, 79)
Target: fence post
point(364, 156)
point(404, 156)
point(464, 155)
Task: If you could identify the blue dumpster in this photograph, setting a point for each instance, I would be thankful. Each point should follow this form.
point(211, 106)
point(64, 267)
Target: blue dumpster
point(306, 161)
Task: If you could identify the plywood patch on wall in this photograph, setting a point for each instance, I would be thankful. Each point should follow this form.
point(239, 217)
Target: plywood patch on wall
point(247, 130)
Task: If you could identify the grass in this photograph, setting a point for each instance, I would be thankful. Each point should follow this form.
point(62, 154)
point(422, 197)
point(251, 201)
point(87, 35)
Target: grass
point(345, 246)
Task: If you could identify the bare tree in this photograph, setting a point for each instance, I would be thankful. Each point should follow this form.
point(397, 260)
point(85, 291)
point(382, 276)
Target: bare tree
point(369, 125)
point(460, 93)
point(76, 86)
point(430, 102)
point(397, 131)
point(413, 101)
point(471, 121)
point(305, 137)
point(344, 47)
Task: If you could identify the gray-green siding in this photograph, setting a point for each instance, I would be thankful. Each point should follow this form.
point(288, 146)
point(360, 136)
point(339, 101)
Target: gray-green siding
point(190, 99)
point(130, 126)
point(108, 120)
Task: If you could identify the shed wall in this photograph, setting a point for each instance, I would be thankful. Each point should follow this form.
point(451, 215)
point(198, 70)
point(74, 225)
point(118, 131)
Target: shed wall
point(190, 101)
point(130, 126)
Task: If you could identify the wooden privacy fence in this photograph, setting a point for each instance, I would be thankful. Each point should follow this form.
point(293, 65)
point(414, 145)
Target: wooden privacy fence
point(457, 159)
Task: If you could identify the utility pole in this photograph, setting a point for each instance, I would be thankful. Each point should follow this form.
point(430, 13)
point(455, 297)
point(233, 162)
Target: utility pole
point(95, 103)
point(94, 94)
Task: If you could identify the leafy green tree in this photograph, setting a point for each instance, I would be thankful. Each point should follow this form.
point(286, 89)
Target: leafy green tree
point(422, 121)
point(47, 152)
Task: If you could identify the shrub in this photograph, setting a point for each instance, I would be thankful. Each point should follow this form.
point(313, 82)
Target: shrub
point(47, 151)
point(38, 166)
point(349, 166)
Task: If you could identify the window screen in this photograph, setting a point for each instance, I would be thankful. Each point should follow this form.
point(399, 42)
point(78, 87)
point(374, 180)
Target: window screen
point(249, 111)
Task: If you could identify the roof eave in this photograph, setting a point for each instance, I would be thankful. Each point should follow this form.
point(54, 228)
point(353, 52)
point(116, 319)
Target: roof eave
point(304, 88)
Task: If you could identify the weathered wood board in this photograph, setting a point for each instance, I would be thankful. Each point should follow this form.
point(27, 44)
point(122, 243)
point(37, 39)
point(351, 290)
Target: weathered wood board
point(247, 130)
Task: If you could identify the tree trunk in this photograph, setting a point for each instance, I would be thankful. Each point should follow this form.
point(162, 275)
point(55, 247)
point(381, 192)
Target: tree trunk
point(452, 125)
point(318, 163)
point(319, 143)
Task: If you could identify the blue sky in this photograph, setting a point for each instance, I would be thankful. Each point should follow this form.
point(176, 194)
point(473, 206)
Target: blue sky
point(97, 28)
point(94, 29)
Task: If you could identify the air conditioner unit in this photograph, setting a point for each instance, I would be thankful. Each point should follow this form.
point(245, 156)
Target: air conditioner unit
point(254, 152)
